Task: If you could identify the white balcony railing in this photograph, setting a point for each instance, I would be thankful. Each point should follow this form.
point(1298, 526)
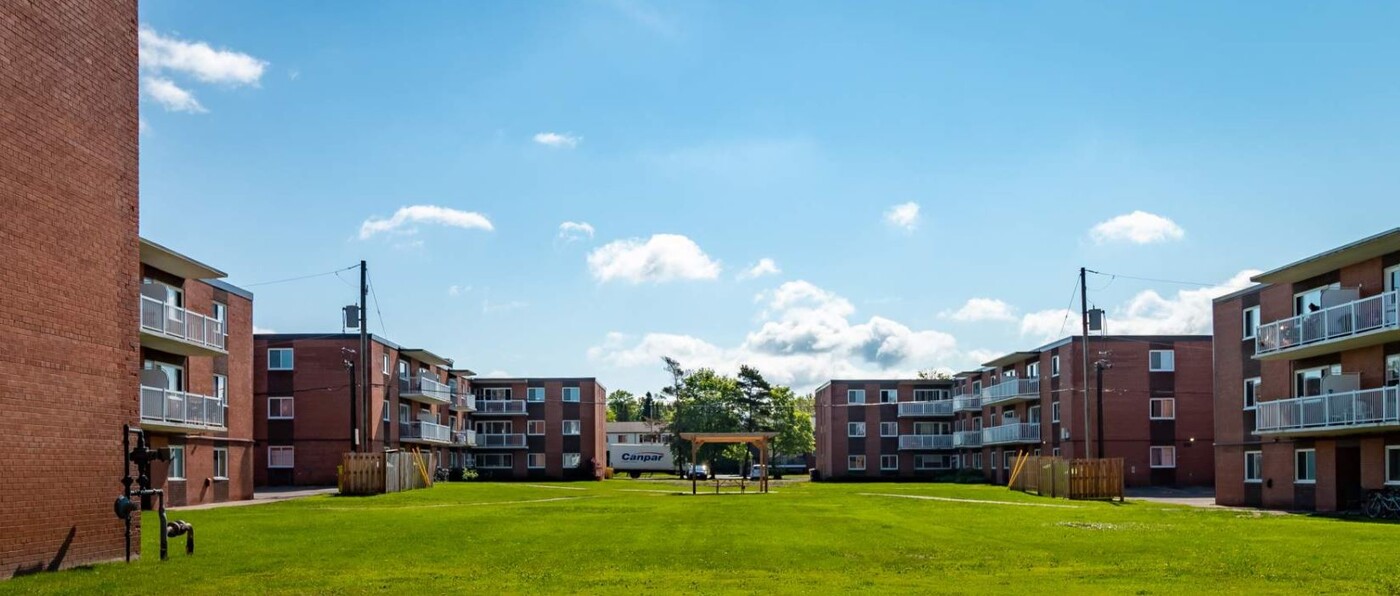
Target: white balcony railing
point(464, 401)
point(926, 441)
point(942, 407)
point(165, 406)
point(1376, 313)
point(1011, 390)
point(1016, 432)
point(178, 323)
point(505, 407)
point(967, 403)
point(425, 431)
point(500, 441)
point(1319, 414)
point(464, 438)
point(967, 438)
point(425, 387)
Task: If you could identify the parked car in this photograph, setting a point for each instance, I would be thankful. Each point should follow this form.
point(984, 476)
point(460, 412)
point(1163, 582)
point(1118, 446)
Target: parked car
point(698, 472)
point(756, 473)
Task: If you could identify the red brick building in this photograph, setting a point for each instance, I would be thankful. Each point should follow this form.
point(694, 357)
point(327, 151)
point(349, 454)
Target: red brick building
point(544, 428)
point(892, 429)
point(1307, 381)
point(196, 378)
point(68, 279)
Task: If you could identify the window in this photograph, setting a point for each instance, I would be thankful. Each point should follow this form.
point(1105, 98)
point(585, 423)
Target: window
point(385, 365)
point(403, 369)
point(534, 394)
point(1032, 370)
point(1305, 466)
point(1033, 415)
point(405, 413)
point(221, 388)
point(1055, 452)
point(977, 460)
point(1309, 382)
point(1309, 301)
point(571, 394)
point(279, 359)
point(220, 312)
point(930, 394)
point(535, 461)
point(1162, 457)
point(279, 408)
point(928, 428)
point(1055, 365)
point(221, 463)
point(496, 394)
point(1162, 408)
point(889, 462)
point(1254, 466)
point(534, 427)
point(855, 463)
point(500, 427)
point(1392, 279)
point(386, 409)
point(1251, 393)
point(494, 461)
point(855, 429)
point(177, 463)
point(934, 462)
point(855, 396)
point(1392, 369)
point(1392, 465)
point(1007, 459)
point(281, 457)
point(977, 387)
point(1161, 360)
point(572, 460)
point(889, 429)
point(1054, 411)
point(572, 427)
point(1250, 322)
point(996, 458)
point(889, 396)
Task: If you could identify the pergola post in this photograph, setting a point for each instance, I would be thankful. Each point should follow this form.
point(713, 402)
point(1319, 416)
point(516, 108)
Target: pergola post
point(694, 448)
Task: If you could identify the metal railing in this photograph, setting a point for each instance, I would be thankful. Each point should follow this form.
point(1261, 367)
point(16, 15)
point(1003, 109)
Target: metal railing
point(511, 440)
point(464, 401)
point(942, 407)
point(1016, 432)
point(1338, 322)
point(1340, 411)
point(926, 441)
point(167, 406)
point(1012, 389)
point(425, 431)
point(182, 324)
point(967, 403)
point(967, 438)
point(425, 386)
point(464, 438)
point(509, 407)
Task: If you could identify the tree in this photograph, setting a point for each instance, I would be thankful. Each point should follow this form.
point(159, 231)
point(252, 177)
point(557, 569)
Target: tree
point(623, 406)
point(704, 402)
point(793, 422)
point(935, 375)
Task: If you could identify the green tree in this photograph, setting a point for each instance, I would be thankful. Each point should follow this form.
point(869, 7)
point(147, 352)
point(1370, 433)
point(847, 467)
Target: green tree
point(623, 406)
point(793, 423)
point(935, 374)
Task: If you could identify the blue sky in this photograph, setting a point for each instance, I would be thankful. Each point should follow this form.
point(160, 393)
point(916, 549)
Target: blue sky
point(697, 139)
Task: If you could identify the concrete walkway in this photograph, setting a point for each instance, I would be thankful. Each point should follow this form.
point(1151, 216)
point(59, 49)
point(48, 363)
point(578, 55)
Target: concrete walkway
point(262, 497)
point(1193, 497)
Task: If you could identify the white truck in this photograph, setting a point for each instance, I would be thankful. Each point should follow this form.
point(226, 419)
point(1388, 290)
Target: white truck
point(634, 459)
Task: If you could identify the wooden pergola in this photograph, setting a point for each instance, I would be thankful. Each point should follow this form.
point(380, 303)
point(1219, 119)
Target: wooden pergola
point(758, 439)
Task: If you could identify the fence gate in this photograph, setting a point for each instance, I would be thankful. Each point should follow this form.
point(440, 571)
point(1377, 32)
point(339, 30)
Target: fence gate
point(1070, 478)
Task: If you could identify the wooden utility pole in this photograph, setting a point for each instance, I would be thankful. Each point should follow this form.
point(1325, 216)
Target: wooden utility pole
point(1084, 350)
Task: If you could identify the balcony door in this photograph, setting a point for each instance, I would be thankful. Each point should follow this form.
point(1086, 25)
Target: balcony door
point(493, 427)
point(1309, 382)
point(161, 375)
point(1392, 279)
point(931, 428)
point(1009, 417)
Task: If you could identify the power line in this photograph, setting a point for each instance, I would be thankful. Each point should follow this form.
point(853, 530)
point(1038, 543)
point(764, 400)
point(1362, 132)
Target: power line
point(1152, 279)
point(377, 313)
point(1072, 294)
point(299, 278)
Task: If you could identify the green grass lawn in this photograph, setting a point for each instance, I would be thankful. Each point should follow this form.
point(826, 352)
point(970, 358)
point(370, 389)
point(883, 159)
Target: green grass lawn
point(613, 537)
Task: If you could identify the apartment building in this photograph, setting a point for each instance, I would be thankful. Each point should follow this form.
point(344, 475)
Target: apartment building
point(69, 360)
point(1307, 381)
point(1155, 412)
point(542, 428)
point(196, 393)
point(884, 429)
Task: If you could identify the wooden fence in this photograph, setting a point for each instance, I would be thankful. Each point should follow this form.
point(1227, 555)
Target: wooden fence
point(1069, 478)
point(375, 473)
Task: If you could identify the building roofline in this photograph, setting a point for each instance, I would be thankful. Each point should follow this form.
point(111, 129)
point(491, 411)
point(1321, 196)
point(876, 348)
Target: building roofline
point(1242, 292)
point(175, 262)
point(424, 355)
point(885, 381)
point(1010, 358)
point(230, 288)
point(312, 336)
point(1366, 248)
point(529, 379)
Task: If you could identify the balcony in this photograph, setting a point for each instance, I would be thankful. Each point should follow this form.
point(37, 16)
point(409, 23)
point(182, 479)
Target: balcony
point(1016, 432)
point(463, 402)
point(169, 328)
point(424, 432)
point(500, 441)
point(916, 409)
point(1359, 411)
point(967, 403)
point(500, 407)
point(165, 409)
point(1356, 324)
point(925, 442)
point(1012, 391)
point(967, 439)
point(425, 389)
point(464, 438)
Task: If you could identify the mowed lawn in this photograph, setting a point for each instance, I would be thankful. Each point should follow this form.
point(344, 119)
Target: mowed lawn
point(619, 537)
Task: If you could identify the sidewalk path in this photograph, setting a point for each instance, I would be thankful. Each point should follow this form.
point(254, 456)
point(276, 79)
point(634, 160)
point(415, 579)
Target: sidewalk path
point(263, 497)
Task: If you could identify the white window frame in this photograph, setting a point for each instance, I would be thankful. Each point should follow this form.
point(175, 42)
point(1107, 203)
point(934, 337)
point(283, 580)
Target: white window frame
point(889, 396)
point(1055, 452)
point(290, 358)
point(1033, 414)
point(885, 467)
point(851, 461)
point(1153, 403)
point(221, 462)
point(534, 394)
point(221, 388)
point(853, 427)
point(1251, 386)
point(1032, 370)
point(853, 394)
point(1165, 363)
point(177, 460)
point(1297, 473)
point(889, 429)
point(1390, 274)
point(577, 428)
point(996, 459)
point(1156, 456)
point(575, 391)
point(1055, 412)
point(405, 413)
point(291, 404)
point(1249, 320)
point(291, 454)
point(1392, 474)
point(532, 425)
point(1258, 457)
point(505, 461)
point(1055, 365)
point(385, 365)
point(577, 459)
point(977, 460)
point(531, 458)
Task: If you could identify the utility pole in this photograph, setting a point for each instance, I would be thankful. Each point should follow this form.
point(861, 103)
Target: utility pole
point(364, 353)
point(1099, 367)
point(1084, 351)
point(354, 417)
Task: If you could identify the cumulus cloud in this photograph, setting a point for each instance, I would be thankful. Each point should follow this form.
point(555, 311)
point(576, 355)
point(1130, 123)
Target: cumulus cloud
point(904, 216)
point(456, 290)
point(1138, 227)
point(764, 266)
point(161, 57)
point(170, 96)
point(1188, 312)
point(558, 140)
point(981, 309)
point(662, 258)
point(570, 231)
point(405, 218)
point(807, 335)
point(262, 330)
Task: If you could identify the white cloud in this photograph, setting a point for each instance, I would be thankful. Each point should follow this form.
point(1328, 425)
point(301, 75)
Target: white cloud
point(904, 216)
point(1138, 227)
point(807, 336)
point(489, 307)
point(456, 290)
point(570, 231)
point(764, 266)
point(414, 214)
point(142, 127)
point(558, 140)
point(982, 309)
point(159, 53)
point(1188, 312)
point(260, 330)
point(170, 96)
point(662, 258)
